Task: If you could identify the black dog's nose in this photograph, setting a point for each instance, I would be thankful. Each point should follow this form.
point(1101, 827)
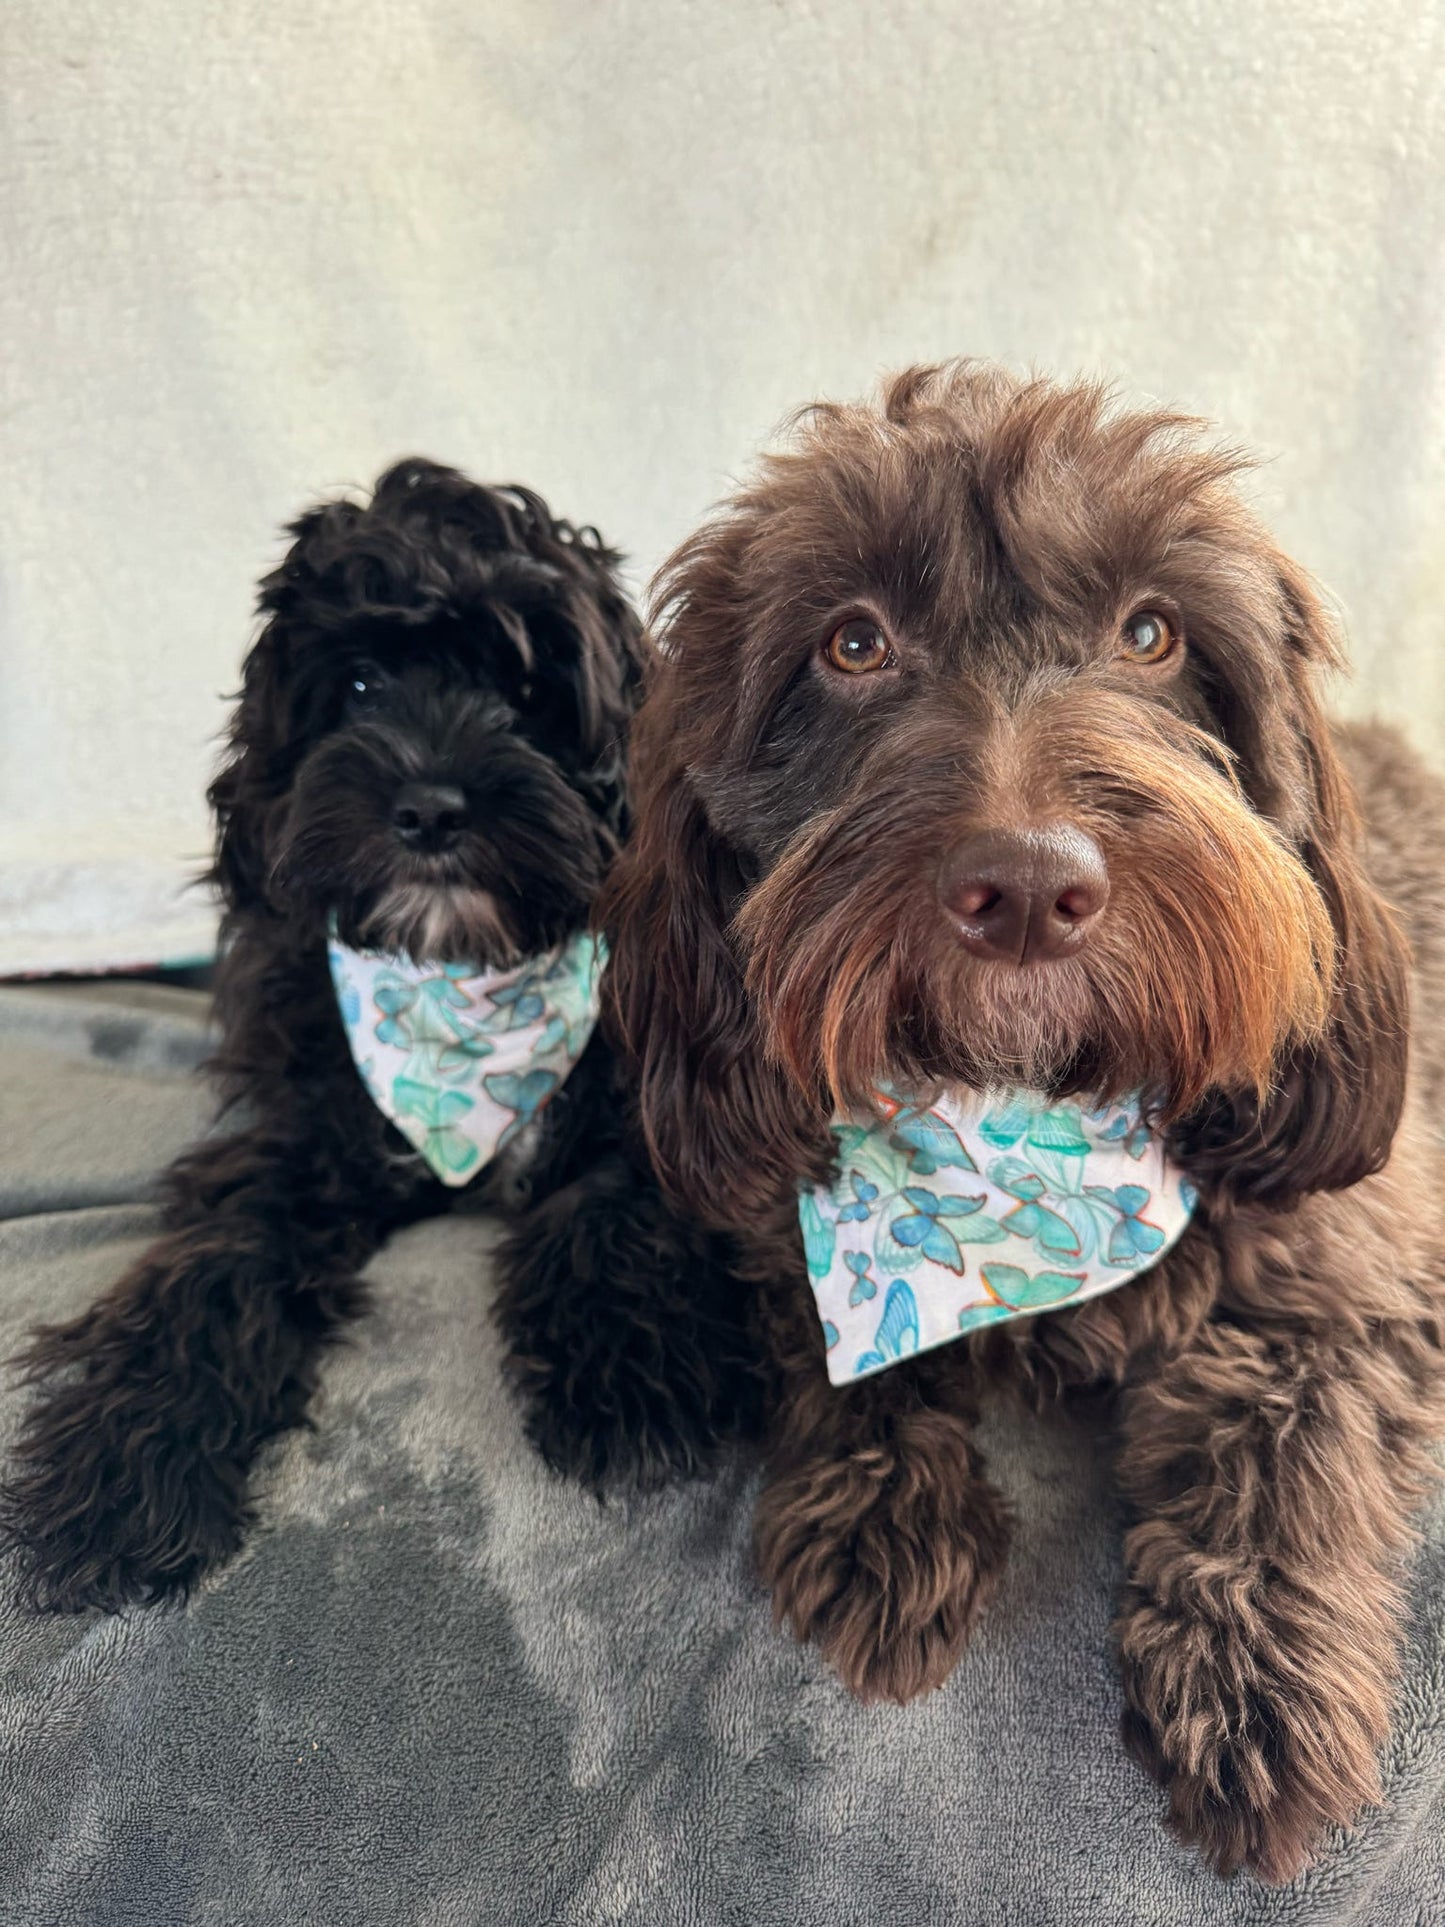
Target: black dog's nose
point(1026, 896)
point(429, 816)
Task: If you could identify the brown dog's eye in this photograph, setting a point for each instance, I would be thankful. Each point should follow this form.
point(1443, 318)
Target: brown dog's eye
point(1147, 637)
point(858, 645)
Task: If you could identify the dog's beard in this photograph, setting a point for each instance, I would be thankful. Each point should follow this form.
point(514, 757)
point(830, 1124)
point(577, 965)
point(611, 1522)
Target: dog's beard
point(517, 882)
point(1006, 1026)
point(439, 922)
point(1214, 955)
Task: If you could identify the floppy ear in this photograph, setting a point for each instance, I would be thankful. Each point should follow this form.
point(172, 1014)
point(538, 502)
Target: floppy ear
point(726, 1131)
point(608, 672)
point(244, 795)
point(1332, 1115)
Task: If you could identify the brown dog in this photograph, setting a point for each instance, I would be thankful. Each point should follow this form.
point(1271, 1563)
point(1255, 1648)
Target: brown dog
point(984, 747)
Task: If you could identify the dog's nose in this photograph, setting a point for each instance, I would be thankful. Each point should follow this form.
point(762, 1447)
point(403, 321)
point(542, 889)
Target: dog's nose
point(1026, 896)
point(429, 816)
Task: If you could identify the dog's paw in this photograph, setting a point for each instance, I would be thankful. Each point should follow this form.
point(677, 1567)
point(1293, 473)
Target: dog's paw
point(628, 1407)
point(884, 1566)
point(104, 1508)
point(625, 1338)
point(1262, 1728)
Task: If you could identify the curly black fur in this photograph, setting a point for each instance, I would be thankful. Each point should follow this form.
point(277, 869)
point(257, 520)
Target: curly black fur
point(443, 633)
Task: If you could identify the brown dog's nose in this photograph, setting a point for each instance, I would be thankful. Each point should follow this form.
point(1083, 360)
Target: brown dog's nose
point(1026, 896)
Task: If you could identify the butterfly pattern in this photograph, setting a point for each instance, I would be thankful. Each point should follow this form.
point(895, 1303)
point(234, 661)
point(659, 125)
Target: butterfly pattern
point(952, 1216)
point(463, 1060)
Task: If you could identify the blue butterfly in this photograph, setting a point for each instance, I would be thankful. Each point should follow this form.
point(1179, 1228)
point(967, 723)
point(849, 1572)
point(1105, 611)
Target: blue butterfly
point(1127, 1129)
point(524, 1093)
point(518, 1004)
point(553, 1034)
point(921, 1229)
point(863, 1286)
point(1133, 1236)
point(897, 1333)
point(456, 1058)
point(864, 1193)
point(394, 999)
point(930, 1142)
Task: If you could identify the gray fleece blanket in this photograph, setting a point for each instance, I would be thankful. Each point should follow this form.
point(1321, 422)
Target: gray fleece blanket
point(441, 1687)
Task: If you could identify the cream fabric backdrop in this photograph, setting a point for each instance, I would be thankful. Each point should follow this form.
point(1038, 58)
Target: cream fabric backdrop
point(255, 250)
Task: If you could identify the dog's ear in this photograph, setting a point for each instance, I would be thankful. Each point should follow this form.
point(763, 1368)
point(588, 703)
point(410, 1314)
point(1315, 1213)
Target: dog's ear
point(724, 1128)
point(1332, 1114)
point(608, 673)
point(252, 780)
point(244, 794)
point(589, 633)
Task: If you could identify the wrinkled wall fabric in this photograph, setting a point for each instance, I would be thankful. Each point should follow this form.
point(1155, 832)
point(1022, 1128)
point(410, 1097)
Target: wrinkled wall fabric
point(253, 251)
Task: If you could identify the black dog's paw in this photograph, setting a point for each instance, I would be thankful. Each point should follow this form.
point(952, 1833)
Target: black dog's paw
point(625, 1336)
point(104, 1515)
point(128, 1478)
point(621, 1413)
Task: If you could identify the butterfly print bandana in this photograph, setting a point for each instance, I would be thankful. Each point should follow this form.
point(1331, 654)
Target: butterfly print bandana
point(461, 1060)
point(979, 1209)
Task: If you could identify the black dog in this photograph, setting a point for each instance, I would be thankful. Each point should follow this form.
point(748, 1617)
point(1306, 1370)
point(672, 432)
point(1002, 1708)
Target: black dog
point(427, 759)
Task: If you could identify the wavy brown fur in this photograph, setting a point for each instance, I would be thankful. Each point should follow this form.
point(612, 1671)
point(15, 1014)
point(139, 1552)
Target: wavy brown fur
point(778, 944)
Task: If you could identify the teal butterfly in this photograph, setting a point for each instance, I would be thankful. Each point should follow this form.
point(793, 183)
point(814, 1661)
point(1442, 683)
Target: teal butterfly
point(459, 1053)
point(426, 1005)
point(515, 1006)
point(1128, 1130)
point(820, 1236)
point(1132, 1237)
point(523, 1092)
point(863, 1194)
point(1058, 1127)
point(1005, 1124)
point(921, 1229)
point(863, 1285)
point(897, 1333)
point(1021, 1292)
point(438, 1113)
point(554, 1032)
point(395, 998)
point(1054, 1235)
point(930, 1143)
point(972, 1316)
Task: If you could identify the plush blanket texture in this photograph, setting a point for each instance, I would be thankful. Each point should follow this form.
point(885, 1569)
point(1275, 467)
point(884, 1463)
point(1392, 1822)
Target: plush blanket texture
point(440, 1687)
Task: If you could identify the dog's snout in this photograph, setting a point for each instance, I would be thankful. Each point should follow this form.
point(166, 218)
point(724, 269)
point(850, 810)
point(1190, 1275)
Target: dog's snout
point(429, 816)
point(1025, 896)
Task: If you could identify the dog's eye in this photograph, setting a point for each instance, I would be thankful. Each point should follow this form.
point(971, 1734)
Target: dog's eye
point(1147, 637)
point(857, 646)
point(364, 685)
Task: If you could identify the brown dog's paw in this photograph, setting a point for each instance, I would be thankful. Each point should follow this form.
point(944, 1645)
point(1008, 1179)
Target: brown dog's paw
point(884, 1562)
point(1262, 1728)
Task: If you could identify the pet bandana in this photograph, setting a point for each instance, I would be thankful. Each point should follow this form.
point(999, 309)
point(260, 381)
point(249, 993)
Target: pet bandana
point(461, 1060)
point(976, 1210)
